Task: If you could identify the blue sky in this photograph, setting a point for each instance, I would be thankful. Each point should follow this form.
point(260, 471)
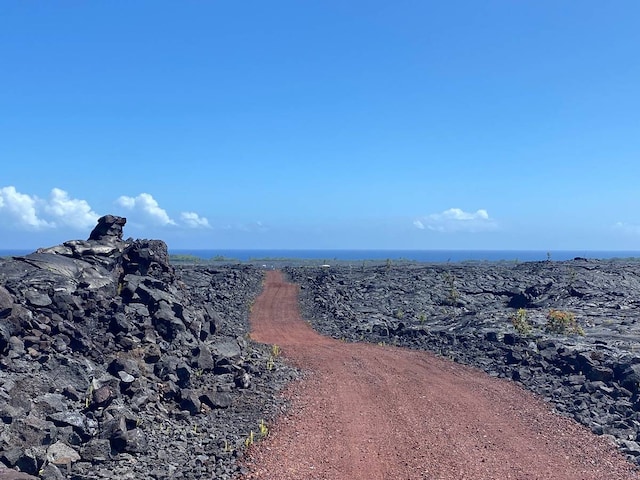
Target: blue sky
point(496, 124)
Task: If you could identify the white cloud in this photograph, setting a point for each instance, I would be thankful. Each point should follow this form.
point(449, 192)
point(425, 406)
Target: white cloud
point(193, 220)
point(147, 207)
point(24, 211)
point(28, 212)
point(21, 208)
point(457, 214)
point(70, 211)
point(126, 202)
point(456, 220)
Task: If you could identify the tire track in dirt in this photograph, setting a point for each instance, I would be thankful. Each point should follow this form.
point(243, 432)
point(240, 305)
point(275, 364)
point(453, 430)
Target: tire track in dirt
point(374, 412)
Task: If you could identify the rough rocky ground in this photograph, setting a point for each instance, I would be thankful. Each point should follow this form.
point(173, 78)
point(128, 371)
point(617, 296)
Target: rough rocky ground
point(464, 312)
point(115, 364)
point(379, 412)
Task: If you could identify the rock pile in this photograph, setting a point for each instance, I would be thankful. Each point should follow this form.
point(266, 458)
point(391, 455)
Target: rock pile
point(467, 312)
point(115, 364)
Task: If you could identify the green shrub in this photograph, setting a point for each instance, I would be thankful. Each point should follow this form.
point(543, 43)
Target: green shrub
point(560, 321)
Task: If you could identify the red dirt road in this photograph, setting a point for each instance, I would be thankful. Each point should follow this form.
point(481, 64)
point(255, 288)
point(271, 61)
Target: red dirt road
point(375, 412)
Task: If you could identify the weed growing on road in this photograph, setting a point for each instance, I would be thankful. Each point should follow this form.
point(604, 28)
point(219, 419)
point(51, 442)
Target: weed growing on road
point(249, 440)
point(264, 430)
point(275, 353)
point(562, 322)
point(520, 323)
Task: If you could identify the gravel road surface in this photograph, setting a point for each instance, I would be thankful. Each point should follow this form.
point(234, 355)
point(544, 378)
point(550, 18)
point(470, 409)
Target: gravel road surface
point(371, 412)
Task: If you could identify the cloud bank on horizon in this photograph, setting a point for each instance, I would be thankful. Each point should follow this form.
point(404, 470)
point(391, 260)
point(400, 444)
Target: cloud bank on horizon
point(29, 212)
point(22, 211)
point(457, 220)
point(61, 212)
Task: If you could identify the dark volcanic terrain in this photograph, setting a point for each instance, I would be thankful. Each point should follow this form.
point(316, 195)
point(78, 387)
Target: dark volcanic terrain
point(115, 363)
point(466, 312)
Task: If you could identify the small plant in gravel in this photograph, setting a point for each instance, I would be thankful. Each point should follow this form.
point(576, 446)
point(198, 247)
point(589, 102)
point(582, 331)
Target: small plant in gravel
point(562, 322)
point(275, 353)
point(250, 439)
point(399, 314)
point(264, 430)
point(422, 318)
point(520, 323)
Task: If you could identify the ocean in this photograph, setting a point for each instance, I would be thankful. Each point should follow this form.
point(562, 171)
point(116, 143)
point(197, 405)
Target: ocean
point(429, 256)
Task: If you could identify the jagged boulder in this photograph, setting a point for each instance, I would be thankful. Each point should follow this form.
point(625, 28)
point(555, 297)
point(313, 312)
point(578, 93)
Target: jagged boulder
point(109, 228)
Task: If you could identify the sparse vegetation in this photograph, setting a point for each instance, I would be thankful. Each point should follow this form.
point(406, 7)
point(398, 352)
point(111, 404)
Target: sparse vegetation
point(264, 430)
point(250, 439)
point(520, 323)
point(453, 294)
point(184, 258)
point(562, 322)
point(222, 258)
point(275, 353)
